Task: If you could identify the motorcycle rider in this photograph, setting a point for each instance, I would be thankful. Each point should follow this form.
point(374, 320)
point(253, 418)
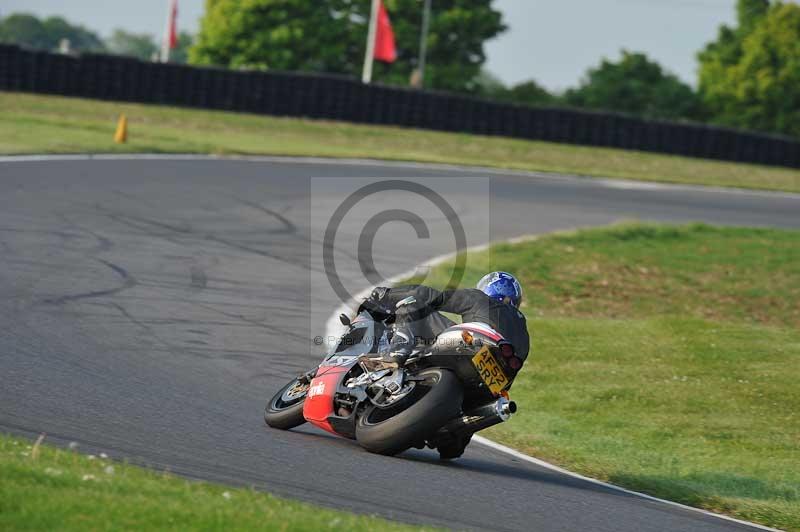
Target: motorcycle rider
point(495, 301)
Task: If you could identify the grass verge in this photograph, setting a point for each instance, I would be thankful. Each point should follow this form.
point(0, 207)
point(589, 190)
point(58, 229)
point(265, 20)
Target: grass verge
point(44, 488)
point(49, 124)
point(665, 359)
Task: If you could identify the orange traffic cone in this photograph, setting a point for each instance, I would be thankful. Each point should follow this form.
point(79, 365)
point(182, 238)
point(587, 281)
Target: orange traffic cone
point(121, 136)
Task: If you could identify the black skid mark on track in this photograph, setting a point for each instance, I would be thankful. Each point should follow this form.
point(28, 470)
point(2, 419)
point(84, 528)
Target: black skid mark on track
point(64, 236)
point(291, 228)
point(145, 327)
point(137, 222)
point(68, 238)
point(185, 229)
point(254, 323)
point(168, 347)
point(103, 243)
point(288, 226)
point(196, 342)
point(127, 282)
point(199, 279)
point(257, 251)
point(143, 227)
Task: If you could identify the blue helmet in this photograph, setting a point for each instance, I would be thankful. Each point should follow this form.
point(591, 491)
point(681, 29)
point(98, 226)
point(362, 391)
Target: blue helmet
point(501, 286)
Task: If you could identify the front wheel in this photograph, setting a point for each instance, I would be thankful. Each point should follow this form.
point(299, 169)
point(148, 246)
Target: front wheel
point(285, 409)
point(436, 399)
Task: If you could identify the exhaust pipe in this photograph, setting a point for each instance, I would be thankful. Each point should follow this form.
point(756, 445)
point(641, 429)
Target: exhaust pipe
point(481, 418)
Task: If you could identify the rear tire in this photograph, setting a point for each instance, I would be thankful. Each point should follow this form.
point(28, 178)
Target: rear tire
point(438, 401)
point(285, 410)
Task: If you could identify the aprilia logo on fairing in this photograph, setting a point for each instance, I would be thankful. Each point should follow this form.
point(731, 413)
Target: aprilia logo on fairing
point(317, 389)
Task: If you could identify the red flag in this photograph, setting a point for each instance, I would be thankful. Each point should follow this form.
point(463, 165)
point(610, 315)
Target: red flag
point(172, 35)
point(384, 37)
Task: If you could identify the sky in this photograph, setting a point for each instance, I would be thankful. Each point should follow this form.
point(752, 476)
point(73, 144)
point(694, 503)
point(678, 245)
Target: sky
point(550, 41)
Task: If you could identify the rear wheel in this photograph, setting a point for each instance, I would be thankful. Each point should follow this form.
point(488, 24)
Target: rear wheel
point(285, 409)
point(435, 400)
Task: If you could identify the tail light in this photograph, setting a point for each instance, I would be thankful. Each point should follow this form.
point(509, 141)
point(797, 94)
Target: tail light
point(507, 350)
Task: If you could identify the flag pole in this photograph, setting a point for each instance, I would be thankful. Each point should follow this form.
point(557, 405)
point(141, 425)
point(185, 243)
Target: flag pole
point(423, 42)
point(366, 75)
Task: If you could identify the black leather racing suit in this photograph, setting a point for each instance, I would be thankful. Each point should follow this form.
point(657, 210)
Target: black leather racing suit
point(421, 320)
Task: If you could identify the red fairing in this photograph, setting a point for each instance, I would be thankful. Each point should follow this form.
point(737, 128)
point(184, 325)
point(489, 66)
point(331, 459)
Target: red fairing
point(319, 401)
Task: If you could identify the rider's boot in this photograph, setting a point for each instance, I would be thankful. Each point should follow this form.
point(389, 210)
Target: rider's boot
point(403, 339)
point(400, 348)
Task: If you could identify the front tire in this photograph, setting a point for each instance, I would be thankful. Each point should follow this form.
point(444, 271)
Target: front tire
point(437, 400)
point(285, 410)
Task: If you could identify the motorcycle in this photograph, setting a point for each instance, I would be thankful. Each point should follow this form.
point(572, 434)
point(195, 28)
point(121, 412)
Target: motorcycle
point(443, 394)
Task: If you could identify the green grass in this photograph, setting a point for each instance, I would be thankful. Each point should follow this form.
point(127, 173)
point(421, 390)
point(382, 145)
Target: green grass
point(44, 488)
point(47, 124)
point(664, 359)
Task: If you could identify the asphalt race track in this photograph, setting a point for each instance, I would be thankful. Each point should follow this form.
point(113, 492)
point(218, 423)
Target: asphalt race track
point(148, 308)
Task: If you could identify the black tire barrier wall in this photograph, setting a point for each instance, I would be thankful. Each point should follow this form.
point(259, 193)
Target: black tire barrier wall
point(109, 77)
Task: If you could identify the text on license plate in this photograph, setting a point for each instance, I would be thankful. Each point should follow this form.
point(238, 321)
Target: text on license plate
point(490, 371)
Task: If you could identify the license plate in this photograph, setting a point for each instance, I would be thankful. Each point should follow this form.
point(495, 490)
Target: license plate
point(490, 371)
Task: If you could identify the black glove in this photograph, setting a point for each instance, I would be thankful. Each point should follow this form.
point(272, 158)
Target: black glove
point(375, 307)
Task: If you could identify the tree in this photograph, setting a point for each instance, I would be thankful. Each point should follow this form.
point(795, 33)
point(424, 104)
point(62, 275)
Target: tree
point(80, 39)
point(525, 93)
point(145, 47)
point(529, 93)
point(139, 45)
point(761, 88)
point(749, 13)
point(27, 30)
point(726, 50)
point(635, 85)
point(488, 85)
point(181, 53)
point(330, 36)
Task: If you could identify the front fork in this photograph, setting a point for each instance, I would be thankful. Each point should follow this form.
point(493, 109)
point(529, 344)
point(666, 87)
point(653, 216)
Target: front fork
point(306, 378)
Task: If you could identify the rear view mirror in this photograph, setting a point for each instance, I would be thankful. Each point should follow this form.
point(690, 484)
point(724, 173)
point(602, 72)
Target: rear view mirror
point(345, 320)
